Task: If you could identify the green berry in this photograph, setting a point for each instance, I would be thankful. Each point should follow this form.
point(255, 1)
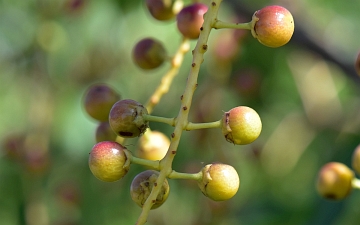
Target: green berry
point(241, 125)
point(108, 161)
point(149, 53)
point(126, 118)
point(220, 182)
point(98, 100)
point(190, 19)
point(273, 26)
point(142, 185)
point(356, 160)
point(153, 145)
point(334, 181)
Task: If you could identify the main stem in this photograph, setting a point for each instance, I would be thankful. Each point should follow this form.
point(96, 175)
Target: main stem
point(186, 99)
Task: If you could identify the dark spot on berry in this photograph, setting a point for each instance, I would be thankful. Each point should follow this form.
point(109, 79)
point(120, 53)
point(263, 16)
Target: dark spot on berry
point(330, 196)
point(201, 28)
point(125, 134)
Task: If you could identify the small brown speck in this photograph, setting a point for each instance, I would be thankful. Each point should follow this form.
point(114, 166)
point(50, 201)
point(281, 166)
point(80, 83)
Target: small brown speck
point(173, 135)
point(184, 108)
point(193, 64)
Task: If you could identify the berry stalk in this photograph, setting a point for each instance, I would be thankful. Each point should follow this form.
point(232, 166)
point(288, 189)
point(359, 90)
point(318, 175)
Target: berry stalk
point(221, 25)
point(186, 99)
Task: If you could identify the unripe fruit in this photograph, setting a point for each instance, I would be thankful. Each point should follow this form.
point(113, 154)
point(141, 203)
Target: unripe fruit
point(153, 145)
point(334, 181)
point(163, 9)
point(149, 53)
point(190, 20)
point(241, 125)
point(273, 26)
point(104, 132)
point(356, 160)
point(220, 182)
point(142, 185)
point(98, 101)
point(108, 161)
point(126, 118)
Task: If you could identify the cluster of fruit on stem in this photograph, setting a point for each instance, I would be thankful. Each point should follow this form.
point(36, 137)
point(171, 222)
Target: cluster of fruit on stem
point(336, 180)
point(119, 118)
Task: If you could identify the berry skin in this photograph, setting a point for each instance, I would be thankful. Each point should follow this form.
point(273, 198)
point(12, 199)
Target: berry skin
point(190, 20)
point(220, 182)
point(108, 161)
point(153, 145)
point(142, 185)
point(104, 132)
point(126, 118)
point(356, 160)
point(162, 9)
point(334, 181)
point(273, 26)
point(98, 101)
point(241, 125)
point(149, 53)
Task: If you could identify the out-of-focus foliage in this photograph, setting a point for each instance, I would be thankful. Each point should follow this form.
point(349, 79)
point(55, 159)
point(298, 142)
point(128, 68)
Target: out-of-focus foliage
point(51, 51)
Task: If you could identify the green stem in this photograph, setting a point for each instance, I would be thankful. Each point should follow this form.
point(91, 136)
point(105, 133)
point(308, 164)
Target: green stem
point(355, 183)
point(155, 165)
point(188, 176)
point(196, 126)
point(170, 121)
point(181, 122)
point(221, 25)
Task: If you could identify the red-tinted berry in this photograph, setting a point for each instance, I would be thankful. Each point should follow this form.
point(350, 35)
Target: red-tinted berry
point(149, 53)
point(190, 20)
point(126, 118)
point(273, 26)
point(98, 101)
point(162, 9)
point(108, 161)
point(142, 185)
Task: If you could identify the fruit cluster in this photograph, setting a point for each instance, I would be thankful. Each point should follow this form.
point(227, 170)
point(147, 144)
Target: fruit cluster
point(119, 119)
point(335, 180)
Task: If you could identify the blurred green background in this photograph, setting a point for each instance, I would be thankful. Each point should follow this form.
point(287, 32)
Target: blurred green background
point(51, 51)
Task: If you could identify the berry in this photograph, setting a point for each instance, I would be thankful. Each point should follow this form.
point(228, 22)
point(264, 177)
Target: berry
point(104, 132)
point(273, 26)
point(334, 181)
point(241, 125)
point(190, 20)
point(162, 9)
point(108, 161)
point(98, 101)
point(220, 182)
point(142, 185)
point(149, 53)
point(356, 160)
point(357, 64)
point(126, 118)
point(153, 145)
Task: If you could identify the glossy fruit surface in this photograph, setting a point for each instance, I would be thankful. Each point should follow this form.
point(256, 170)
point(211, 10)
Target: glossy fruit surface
point(220, 182)
point(99, 99)
point(274, 26)
point(153, 145)
point(334, 181)
point(126, 118)
point(108, 161)
point(142, 185)
point(149, 53)
point(241, 125)
point(190, 19)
